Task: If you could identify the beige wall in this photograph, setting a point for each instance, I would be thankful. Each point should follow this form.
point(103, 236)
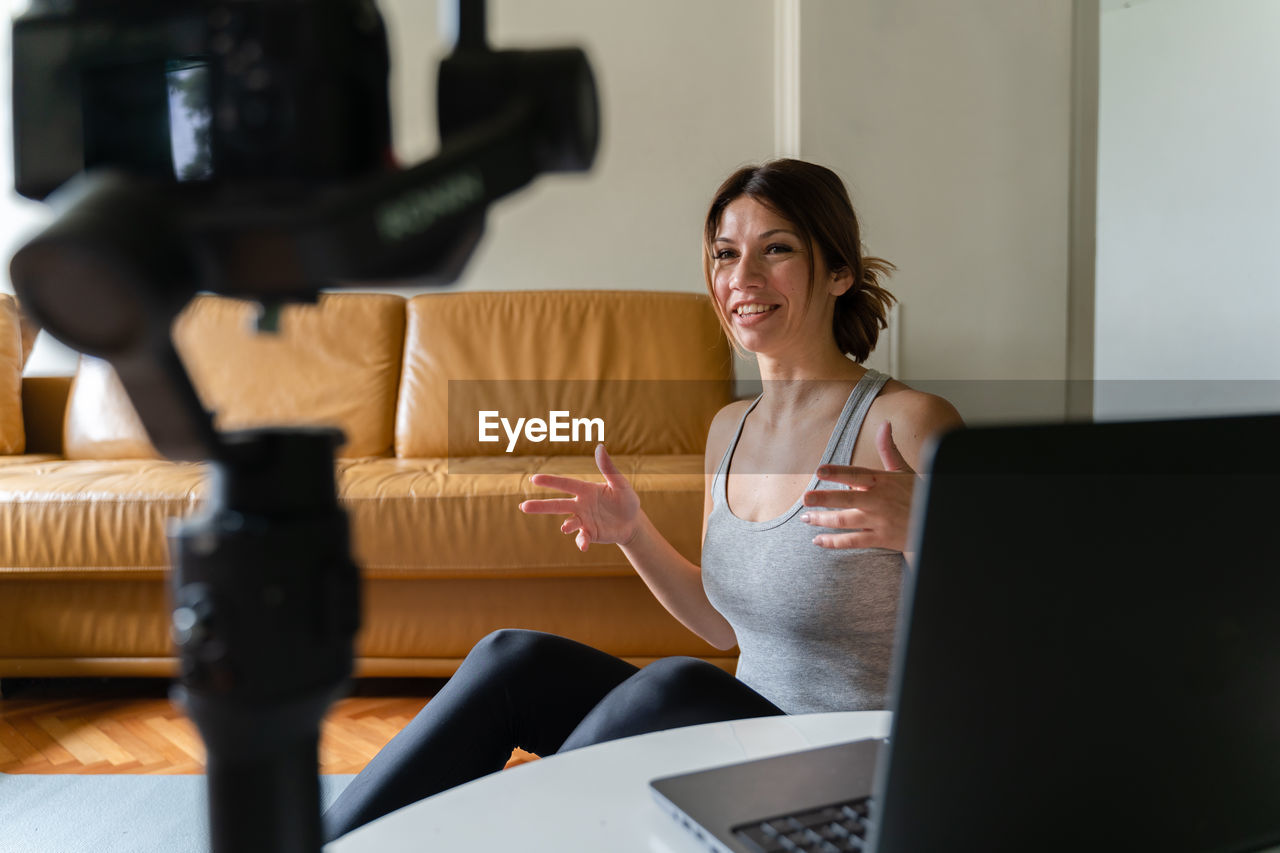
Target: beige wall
point(687, 94)
point(950, 121)
point(952, 124)
point(1188, 293)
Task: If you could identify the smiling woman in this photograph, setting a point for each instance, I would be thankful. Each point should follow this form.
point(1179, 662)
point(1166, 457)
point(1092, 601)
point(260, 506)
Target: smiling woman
point(794, 218)
point(809, 597)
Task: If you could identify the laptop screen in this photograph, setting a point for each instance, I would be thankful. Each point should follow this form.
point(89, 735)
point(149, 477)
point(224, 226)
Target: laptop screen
point(1091, 655)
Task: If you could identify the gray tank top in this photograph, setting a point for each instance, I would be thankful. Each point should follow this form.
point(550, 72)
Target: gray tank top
point(814, 626)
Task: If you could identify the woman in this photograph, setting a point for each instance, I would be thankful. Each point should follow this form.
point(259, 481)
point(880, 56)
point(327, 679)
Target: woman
point(813, 619)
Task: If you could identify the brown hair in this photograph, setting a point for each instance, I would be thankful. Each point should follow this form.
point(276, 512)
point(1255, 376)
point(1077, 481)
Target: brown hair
point(814, 199)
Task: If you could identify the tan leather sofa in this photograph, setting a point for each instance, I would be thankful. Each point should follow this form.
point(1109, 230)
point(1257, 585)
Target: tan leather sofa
point(444, 552)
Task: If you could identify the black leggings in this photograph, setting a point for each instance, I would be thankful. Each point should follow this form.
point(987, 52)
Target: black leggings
point(541, 693)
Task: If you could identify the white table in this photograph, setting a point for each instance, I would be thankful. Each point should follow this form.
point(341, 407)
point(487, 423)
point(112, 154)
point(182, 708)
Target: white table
point(596, 798)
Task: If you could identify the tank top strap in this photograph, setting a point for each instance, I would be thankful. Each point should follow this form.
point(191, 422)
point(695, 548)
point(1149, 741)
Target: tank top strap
point(854, 413)
point(722, 470)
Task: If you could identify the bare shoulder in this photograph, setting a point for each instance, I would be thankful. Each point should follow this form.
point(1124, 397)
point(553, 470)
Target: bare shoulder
point(914, 416)
point(721, 431)
point(909, 407)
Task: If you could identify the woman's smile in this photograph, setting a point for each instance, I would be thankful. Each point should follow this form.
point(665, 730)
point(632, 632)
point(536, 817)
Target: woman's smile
point(761, 275)
point(749, 314)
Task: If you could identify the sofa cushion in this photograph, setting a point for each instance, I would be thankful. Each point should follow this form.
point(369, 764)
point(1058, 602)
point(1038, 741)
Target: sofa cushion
point(84, 518)
point(12, 435)
point(653, 367)
point(436, 518)
point(409, 518)
point(336, 363)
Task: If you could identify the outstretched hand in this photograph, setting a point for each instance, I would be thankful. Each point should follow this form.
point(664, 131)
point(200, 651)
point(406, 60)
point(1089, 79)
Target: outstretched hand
point(875, 510)
point(598, 513)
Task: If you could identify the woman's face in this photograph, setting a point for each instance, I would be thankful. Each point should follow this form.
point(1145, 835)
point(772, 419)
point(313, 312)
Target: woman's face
point(761, 270)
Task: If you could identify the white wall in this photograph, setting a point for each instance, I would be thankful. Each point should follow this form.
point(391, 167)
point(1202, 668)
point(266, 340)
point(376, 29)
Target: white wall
point(951, 122)
point(686, 90)
point(1188, 273)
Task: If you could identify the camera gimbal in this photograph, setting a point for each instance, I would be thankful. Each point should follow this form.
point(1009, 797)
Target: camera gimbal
point(243, 147)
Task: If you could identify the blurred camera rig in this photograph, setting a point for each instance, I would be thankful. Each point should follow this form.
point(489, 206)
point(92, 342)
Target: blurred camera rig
point(243, 147)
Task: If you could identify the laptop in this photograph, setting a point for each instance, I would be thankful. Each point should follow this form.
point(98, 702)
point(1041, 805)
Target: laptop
point(1088, 656)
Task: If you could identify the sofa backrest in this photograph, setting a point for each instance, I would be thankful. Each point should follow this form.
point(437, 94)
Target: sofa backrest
point(336, 364)
point(653, 367)
point(12, 434)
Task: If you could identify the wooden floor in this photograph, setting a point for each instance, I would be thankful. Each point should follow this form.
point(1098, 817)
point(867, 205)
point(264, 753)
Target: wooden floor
point(130, 726)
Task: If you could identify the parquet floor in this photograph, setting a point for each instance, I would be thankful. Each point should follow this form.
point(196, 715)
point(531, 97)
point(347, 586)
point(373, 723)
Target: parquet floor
point(122, 726)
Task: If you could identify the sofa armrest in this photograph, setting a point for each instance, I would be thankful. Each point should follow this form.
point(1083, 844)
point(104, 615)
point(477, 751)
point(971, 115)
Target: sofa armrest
point(44, 402)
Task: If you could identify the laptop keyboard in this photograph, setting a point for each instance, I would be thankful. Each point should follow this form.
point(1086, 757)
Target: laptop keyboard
point(834, 829)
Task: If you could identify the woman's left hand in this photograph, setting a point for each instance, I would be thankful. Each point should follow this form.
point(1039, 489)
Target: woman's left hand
point(876, 509)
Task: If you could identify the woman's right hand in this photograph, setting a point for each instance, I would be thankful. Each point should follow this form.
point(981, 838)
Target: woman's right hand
point(598, 513)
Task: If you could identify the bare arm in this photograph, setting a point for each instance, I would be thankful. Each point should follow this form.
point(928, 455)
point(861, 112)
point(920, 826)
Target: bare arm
point(611, 513)
point(677, 584)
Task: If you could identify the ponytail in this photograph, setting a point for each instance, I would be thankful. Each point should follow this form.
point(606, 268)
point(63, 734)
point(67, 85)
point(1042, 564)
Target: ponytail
point(862, 311)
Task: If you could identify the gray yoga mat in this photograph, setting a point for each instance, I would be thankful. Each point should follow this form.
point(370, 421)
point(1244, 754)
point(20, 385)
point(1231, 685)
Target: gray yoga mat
point(111, 814)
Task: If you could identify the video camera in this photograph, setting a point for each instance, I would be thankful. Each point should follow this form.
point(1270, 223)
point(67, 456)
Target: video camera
point(262, 128)
point(243, 147)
